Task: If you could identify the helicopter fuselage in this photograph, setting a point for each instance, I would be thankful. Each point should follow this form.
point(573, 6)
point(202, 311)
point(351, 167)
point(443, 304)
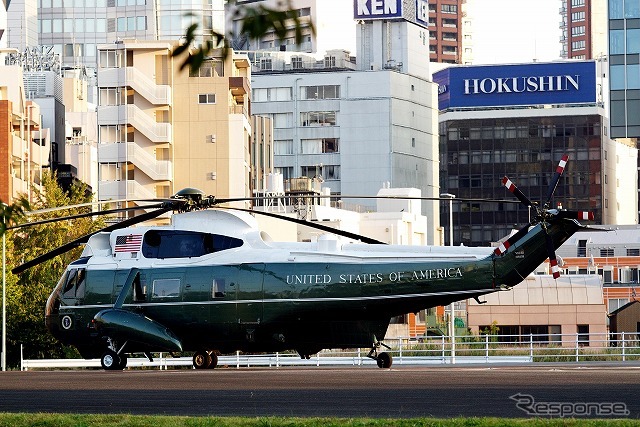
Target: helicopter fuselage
point(238, 291)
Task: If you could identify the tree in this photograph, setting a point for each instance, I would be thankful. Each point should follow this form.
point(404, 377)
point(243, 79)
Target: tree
point(257, 21)
point(27, 294)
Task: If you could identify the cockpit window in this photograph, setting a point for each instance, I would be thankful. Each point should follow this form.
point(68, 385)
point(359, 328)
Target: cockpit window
point(74, 283)
point(184, 244)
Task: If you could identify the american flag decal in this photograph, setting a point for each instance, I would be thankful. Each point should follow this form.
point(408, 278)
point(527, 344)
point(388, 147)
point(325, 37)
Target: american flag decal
point(129, 243)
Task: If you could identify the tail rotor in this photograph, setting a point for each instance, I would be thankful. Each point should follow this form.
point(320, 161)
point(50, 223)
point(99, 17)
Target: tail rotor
point(542, 215)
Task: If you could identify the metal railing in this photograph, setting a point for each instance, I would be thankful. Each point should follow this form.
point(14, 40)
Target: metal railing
point(481, 349)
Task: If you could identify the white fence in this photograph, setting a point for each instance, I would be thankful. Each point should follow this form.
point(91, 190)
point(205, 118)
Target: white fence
point(425, 351)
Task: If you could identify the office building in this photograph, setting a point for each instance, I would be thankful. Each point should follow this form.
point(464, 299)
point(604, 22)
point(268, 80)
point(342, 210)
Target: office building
point(360, 125)
point(76, 27)
point(161, 129)
point(518, 121)
point(584, 27)
point(332, 20)
point(624, 70)
point(22, 24)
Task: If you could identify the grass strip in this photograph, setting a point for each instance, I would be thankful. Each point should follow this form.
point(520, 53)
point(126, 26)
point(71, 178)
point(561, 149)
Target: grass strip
point(75, 420)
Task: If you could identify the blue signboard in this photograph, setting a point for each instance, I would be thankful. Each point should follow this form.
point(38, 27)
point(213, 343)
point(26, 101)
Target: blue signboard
point(377, 9)
point(522, 84)
point(415, 11)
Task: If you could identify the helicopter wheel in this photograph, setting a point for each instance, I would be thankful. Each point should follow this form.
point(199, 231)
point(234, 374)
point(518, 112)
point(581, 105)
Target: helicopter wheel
point(110, 361)
point(214, 360)
point(123, 361)
point(384, 360)
point(203, 360)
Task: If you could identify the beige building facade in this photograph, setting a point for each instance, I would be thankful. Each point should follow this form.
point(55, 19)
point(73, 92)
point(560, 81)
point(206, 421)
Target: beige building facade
point(24, 147)
point(543, 309)
point(161, 129)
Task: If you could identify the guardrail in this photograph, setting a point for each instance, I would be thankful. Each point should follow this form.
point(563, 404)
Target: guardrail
point(424, 351)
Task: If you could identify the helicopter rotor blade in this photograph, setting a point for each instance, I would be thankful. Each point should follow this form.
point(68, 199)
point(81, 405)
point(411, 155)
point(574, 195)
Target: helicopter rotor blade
point(516, 192)
point(579, 215)
point(315, 225)
point(551, 252)
point(84, 215)
point(84, 239)
point(556, 178)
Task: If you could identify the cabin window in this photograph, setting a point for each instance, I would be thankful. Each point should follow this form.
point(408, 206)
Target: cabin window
point(139, 288)
point(166, 288)
point(218, 289)
point(185, 244)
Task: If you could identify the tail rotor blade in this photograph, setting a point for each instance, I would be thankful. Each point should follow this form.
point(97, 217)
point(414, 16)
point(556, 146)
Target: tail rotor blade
point(556, 178)
point(553, 261)
point(516, 191)
point(512, 240)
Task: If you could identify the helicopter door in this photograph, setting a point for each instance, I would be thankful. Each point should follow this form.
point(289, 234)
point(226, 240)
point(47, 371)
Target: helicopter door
point(249, 293)
point(236, 295)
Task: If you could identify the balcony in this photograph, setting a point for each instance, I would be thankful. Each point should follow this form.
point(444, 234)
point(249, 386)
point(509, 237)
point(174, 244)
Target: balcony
point(131, 114)
point(238, 86)
point(114, 190)
point(134, 78)
point(158, 170)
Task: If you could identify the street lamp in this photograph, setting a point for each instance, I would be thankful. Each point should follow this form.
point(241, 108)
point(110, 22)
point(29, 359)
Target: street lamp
point(452, 331)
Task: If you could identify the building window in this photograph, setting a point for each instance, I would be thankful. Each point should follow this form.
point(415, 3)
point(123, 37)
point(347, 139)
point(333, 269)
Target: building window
point(607, 252)
point(209, 69)
point(578, 45)
point(111, 59)
point(112, 96)
point(329, 62)
point(283, 146)
point(447, 22)
point(583, 335)
point(452, 37)
point(207, 98)
point(578, 31)
point(577, 16)
point(577, 3)
point(286, 172)
point(296, 62)
point(633, 252)
point(318, 118)
point(282, 120)
point(319, 146)
point(449, 8)
point(321, 92)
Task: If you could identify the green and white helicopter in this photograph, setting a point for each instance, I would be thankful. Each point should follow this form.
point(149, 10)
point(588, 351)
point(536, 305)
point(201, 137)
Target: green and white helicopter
point(212, 283)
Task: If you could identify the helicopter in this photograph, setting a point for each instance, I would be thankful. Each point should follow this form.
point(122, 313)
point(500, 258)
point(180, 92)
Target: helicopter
point(212, 283)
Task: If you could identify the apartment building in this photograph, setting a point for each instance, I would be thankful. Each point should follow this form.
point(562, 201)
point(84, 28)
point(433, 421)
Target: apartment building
point(24, 145)
point(161, 129)
point(584, 28)
point(450, 32)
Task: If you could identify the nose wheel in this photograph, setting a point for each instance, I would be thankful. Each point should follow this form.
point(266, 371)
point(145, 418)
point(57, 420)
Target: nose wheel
point(113, 360)
point(383, 359)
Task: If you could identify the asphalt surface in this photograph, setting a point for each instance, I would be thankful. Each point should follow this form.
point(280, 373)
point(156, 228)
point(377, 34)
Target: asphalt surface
point(602, 390)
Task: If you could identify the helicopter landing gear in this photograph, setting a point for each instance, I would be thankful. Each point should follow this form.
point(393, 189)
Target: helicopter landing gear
point(205, 359)
point(384, 359)
point(113, 360)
